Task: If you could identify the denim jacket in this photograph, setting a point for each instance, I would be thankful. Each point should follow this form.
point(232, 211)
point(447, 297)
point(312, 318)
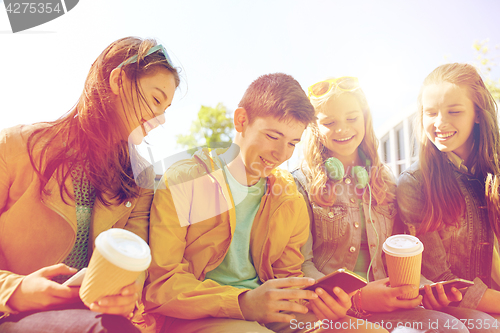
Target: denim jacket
point(335, 236)
point(464, 252)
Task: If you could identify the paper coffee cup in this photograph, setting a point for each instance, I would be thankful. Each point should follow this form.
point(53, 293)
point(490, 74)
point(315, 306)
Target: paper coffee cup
point(118, 259)
point(404, 261)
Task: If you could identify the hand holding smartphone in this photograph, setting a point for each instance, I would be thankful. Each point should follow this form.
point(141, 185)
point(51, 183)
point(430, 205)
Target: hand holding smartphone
point(342, 278)
point(457, 283)
point(77, 279)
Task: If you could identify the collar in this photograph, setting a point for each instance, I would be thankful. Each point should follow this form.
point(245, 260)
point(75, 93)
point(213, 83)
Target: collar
point(458, 162)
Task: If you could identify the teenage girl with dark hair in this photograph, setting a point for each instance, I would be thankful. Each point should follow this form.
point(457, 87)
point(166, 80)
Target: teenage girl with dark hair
point(450, 197)
point(64, 182)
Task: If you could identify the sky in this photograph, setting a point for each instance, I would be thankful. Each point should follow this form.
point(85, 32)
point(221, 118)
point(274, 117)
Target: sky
point(222, 46)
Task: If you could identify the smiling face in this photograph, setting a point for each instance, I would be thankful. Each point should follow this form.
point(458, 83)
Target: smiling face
point(142, 116)
point(265, 143)
point(342, 126)
point(448, 118)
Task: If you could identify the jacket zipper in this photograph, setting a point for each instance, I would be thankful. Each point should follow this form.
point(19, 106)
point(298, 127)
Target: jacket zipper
point(53, 208)
point(225, 198)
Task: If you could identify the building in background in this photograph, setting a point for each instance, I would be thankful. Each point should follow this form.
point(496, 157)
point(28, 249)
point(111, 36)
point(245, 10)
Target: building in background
point(398, 146)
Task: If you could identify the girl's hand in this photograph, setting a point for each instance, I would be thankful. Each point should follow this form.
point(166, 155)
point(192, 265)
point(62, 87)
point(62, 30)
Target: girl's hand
point(327, 307)
point(122, 304)
point(430, 302)
point(38, 292)
point(378, 296)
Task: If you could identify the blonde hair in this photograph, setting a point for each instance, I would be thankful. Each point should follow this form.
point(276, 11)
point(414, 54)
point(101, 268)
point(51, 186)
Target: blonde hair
point(444, 203)
point(321, 187)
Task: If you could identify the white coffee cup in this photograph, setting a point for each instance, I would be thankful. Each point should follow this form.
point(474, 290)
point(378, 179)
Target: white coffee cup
point(119, 257)
point(404, 261)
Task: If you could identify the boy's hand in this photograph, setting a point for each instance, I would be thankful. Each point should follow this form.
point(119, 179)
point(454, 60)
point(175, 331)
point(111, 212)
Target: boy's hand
point(327, 307)
point(122, 304)
point(378, 296)
point(38, 292)
point(431, 303)
point(264, 303)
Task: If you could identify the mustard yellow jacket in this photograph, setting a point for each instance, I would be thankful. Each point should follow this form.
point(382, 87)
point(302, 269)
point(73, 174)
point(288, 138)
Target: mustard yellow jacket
point(192, 225)
point(37, 232)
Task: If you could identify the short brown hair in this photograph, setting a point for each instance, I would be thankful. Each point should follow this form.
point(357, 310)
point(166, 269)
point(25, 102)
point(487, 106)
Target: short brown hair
point(278, 95)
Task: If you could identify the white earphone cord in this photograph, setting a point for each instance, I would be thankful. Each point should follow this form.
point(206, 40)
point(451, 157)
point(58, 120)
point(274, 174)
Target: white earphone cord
point(374, 229)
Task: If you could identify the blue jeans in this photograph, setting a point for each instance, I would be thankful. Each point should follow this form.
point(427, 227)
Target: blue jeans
point(69, 320)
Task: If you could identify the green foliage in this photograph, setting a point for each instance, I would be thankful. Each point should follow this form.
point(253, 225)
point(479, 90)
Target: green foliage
point(213, 128)
point(486, 60)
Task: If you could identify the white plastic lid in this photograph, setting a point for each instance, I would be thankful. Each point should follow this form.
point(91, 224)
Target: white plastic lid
point(124, 249)
point(403, 246)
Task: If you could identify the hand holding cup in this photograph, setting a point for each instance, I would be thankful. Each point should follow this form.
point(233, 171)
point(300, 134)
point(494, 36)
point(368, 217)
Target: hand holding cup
point(119, 257)
point(404, 262)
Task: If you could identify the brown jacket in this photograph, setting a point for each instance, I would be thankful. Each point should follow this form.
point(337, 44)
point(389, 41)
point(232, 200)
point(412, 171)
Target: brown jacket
point(37, 232)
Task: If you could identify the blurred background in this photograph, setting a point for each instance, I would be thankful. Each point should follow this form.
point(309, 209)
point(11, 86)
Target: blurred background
point(221, 46)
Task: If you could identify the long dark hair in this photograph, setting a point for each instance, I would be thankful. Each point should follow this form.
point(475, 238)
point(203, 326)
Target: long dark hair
point(92, 133)
point(444, 203)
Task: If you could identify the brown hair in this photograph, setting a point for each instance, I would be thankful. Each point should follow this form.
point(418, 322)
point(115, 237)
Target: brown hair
point(444, 203)
point(321, 187)
point(92, 133)
point(278, 95)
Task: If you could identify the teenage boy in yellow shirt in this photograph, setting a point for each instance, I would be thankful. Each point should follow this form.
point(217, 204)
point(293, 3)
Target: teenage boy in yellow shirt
point(227, 227)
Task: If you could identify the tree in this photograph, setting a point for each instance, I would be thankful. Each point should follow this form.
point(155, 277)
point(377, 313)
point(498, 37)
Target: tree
point(213, 128)
point(486, 62)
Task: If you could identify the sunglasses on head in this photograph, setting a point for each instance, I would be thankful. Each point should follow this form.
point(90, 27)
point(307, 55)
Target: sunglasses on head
point(152, 50)
point(344, 83)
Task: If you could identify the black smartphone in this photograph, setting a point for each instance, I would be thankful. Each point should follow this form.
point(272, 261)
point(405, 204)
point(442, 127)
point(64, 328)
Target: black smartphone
point(342, 278)
point(457, 283)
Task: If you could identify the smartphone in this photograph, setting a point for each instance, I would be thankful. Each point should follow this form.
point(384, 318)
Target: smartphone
point(457, 283)
point(77, 279)
point(342, 278)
